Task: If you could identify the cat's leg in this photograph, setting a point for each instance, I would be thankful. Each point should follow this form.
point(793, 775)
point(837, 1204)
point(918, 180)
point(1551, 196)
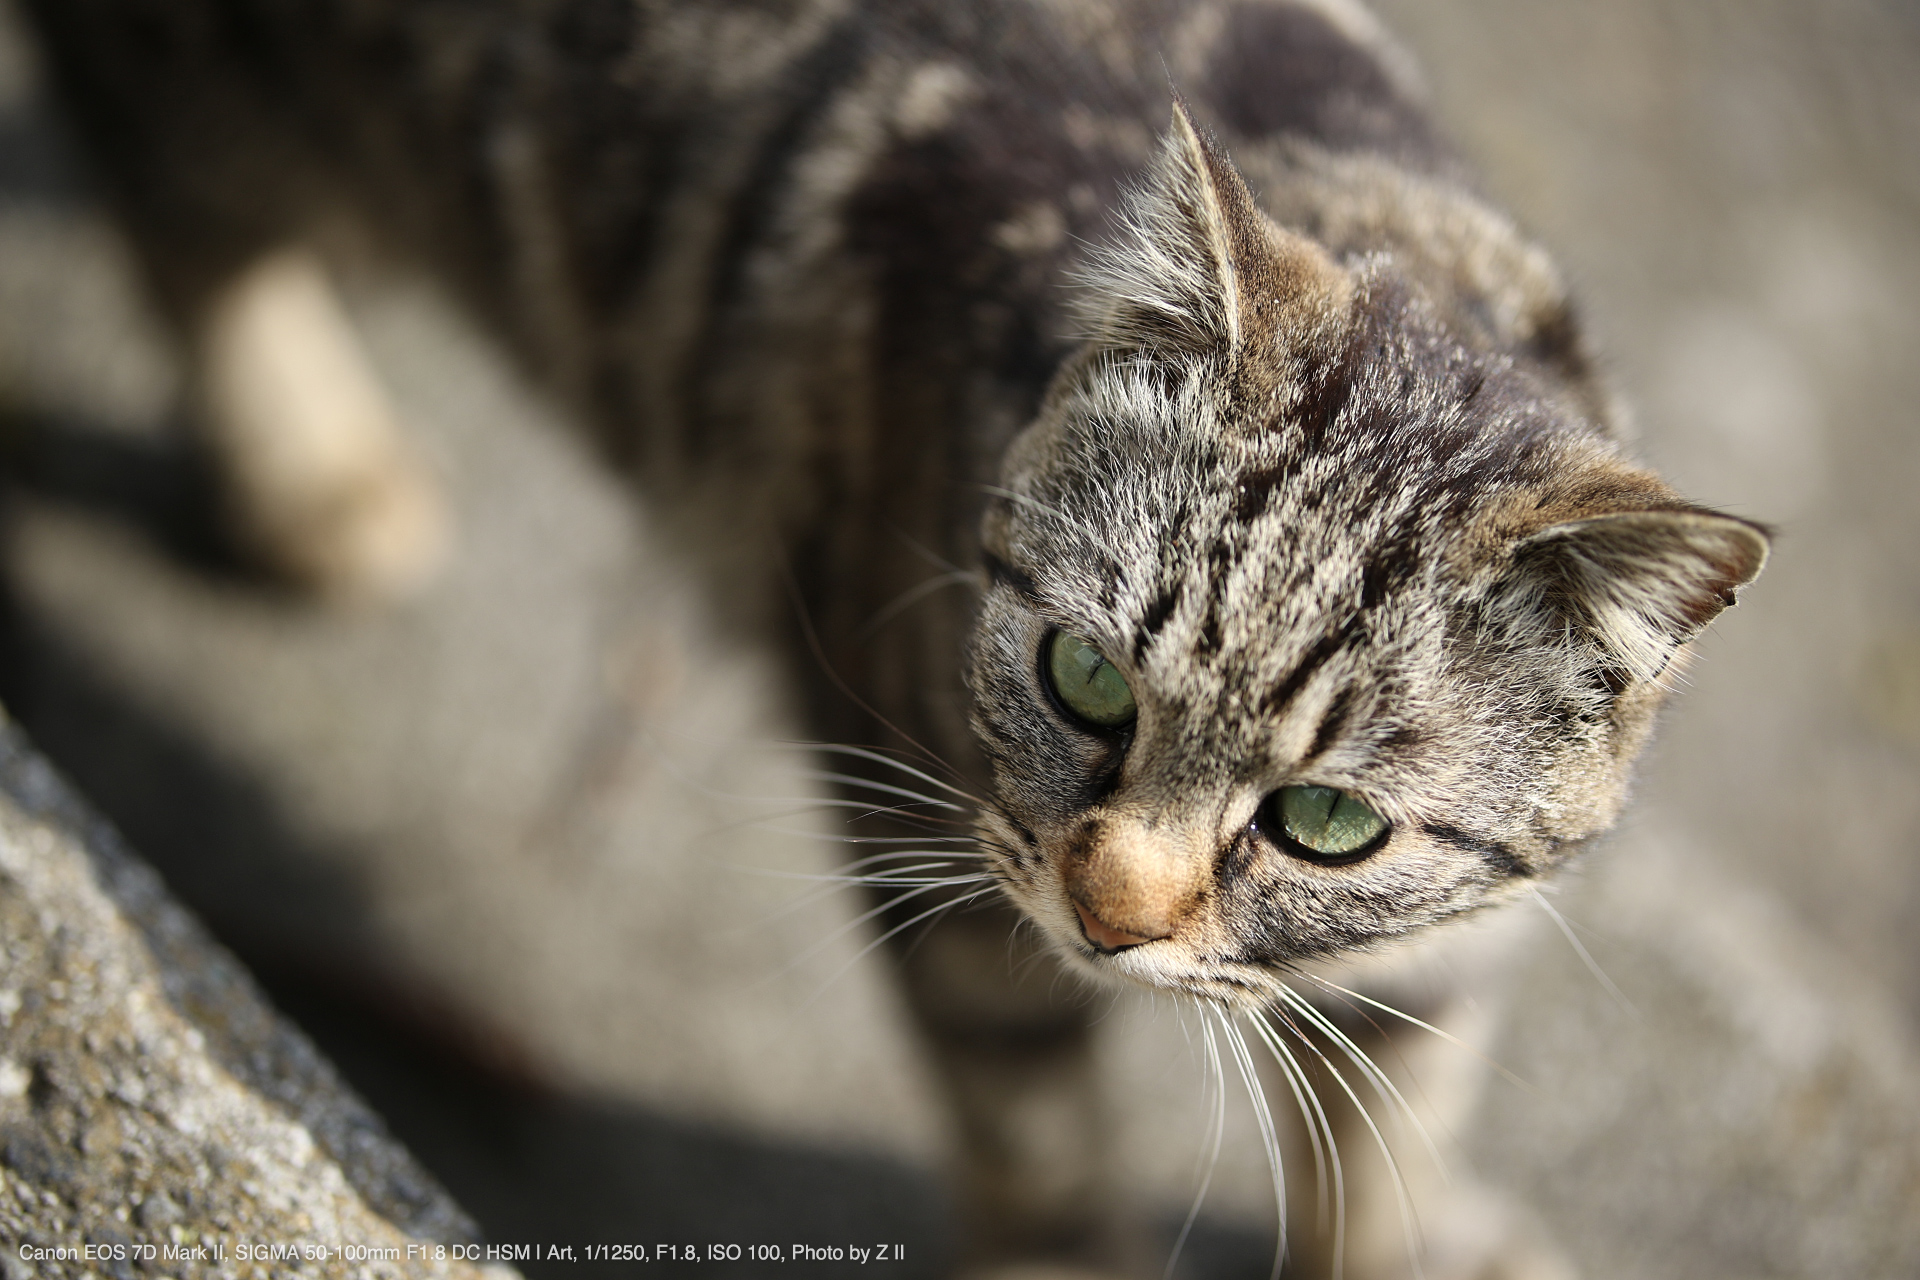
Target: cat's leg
point(213, 172)
point(320, 486)
point(1013, 1045)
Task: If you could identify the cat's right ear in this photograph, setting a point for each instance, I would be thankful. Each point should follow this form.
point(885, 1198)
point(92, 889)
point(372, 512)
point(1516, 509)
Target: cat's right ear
point(1199, 270)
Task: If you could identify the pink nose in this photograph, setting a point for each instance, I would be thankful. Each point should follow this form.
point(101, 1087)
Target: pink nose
point(1132, 880)
point(1104, 936)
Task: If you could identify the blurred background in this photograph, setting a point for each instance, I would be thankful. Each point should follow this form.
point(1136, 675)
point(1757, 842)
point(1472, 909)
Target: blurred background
point(527, 855)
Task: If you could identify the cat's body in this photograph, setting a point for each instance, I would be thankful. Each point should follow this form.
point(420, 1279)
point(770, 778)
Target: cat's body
point(1337, 502)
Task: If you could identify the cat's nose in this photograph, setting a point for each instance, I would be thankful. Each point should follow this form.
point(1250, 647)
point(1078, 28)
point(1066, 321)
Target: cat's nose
point(1105, 936)
point(1131, 881)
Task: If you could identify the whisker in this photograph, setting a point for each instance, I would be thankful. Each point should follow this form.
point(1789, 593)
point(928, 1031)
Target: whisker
point(932, 827)
point(1314, 1115)
point(834, 885)
point(1407, 1215)
point(925, 552)
point(854, 875)
point(917, 874)
point(823, 892)
point(1268, 1139)
point(1382, 1083)
point(855, 780)
point(878, 879)
point(819, 653)
point(957, 859)
point(1034, 957)
point(828, 837)
point(857, 921)
point(804, 805)
point(878, 757)
point(1593, 966)
point(862, 954)
point(851, 874)
point(895, 855)
point(912, 596)
point(868, 809)
point(1216, 1131)
point(1408, 1018)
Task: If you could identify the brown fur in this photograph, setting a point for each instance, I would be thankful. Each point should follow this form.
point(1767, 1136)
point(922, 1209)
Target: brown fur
point(1318, 460)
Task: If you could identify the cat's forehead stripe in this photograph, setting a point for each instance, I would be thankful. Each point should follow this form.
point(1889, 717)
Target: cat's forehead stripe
point(1281, 696)
point(1156, 616)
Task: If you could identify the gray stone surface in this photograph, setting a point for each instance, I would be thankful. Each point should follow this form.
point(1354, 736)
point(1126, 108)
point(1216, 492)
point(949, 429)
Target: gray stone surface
point(1753, 1111)
point(156, 1115)
point(523, 803)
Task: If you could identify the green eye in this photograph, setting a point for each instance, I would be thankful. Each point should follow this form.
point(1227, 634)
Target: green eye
point(1087, 684)
point(1321, 824)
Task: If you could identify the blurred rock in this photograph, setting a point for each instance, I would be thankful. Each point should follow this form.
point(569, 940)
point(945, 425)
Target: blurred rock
point(1753, 1109)
point(150, 1097)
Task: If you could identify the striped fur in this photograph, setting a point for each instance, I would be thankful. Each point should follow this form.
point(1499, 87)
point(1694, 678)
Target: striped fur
point(1267, 404)
point(1330, 539)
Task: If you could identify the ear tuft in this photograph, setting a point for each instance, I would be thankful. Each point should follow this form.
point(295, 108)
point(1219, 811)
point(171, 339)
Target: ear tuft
point(1197, 268)
point(1639, 584)
point(1167, 284)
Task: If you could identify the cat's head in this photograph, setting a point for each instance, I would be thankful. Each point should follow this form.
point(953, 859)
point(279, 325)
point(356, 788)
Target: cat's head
point(1310, 623)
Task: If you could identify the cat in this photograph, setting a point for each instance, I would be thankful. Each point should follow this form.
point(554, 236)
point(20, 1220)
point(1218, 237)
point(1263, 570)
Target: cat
point(1316, 603)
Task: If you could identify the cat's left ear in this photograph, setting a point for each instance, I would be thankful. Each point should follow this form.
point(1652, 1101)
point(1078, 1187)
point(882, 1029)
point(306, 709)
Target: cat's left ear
point(1200, 270)
point(1638, 583)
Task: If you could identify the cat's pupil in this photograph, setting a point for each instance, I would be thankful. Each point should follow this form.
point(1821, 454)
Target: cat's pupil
point(1322, 823)
point(1088, 687)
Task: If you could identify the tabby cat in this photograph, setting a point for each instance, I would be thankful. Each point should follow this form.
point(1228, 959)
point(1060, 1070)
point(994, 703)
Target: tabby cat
point(1315, 601)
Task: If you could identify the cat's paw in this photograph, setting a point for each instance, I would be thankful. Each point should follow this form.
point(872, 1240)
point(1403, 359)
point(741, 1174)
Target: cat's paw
point(321, 488)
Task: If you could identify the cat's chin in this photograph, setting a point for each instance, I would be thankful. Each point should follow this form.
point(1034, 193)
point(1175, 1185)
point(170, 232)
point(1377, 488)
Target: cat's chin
point(1168, 966)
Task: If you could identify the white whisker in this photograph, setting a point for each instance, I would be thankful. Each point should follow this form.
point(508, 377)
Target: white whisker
point(855, 780)
point(823, 892)
point(1216, 1131)
point(1268, 1138)
point(800, 807)
point(884, 879)
point(914, 595)
point(1407, 1215)
point(857, 921)
point(1593, 966)
point(1314, 1116)
point(829, 837)
point(1381, 1082)
point(881, 758)
point(862, 954)
point(953, 857)
point(1424, 1026)
point(853, 873)
point(869, 809)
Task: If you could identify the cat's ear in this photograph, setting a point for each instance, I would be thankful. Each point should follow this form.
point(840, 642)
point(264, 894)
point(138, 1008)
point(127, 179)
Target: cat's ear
point(1639, 584)
point(1198, 269)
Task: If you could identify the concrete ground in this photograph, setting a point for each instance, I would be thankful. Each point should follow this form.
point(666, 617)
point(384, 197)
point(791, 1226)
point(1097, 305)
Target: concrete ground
point(521, 853)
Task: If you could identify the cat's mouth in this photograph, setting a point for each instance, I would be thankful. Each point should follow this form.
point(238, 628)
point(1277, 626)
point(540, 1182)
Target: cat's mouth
point(1110, 954)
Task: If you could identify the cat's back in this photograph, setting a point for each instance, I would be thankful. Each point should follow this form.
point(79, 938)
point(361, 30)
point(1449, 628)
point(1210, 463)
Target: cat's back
point(811, 259)
point(581, 162)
